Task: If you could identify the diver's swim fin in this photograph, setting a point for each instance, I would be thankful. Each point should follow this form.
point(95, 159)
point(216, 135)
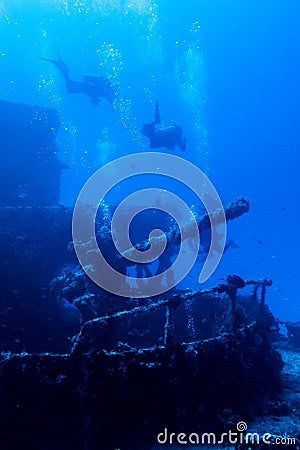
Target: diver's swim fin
point(59, 64)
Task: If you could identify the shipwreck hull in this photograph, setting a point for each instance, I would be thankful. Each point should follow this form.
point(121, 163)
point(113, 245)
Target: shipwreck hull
point(125, 399)
point(82, 369)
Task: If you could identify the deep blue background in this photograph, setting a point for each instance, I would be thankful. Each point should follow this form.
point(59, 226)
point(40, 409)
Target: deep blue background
point(228, 71)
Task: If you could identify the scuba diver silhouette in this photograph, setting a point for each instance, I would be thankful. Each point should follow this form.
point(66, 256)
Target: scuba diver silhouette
point(93, 86)
point(166, 136)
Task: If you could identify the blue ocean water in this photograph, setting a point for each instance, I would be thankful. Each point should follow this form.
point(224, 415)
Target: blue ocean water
point(228, 72)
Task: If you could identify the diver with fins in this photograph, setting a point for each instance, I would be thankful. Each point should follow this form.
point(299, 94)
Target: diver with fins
point(93, 86)
point(167, 136)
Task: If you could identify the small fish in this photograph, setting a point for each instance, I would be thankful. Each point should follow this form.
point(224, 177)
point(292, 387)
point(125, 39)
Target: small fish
point(231, 244)
point(259, 241)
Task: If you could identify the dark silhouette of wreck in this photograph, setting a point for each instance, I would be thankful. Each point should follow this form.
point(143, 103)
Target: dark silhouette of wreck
point(81, 369)
point(30, 170)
